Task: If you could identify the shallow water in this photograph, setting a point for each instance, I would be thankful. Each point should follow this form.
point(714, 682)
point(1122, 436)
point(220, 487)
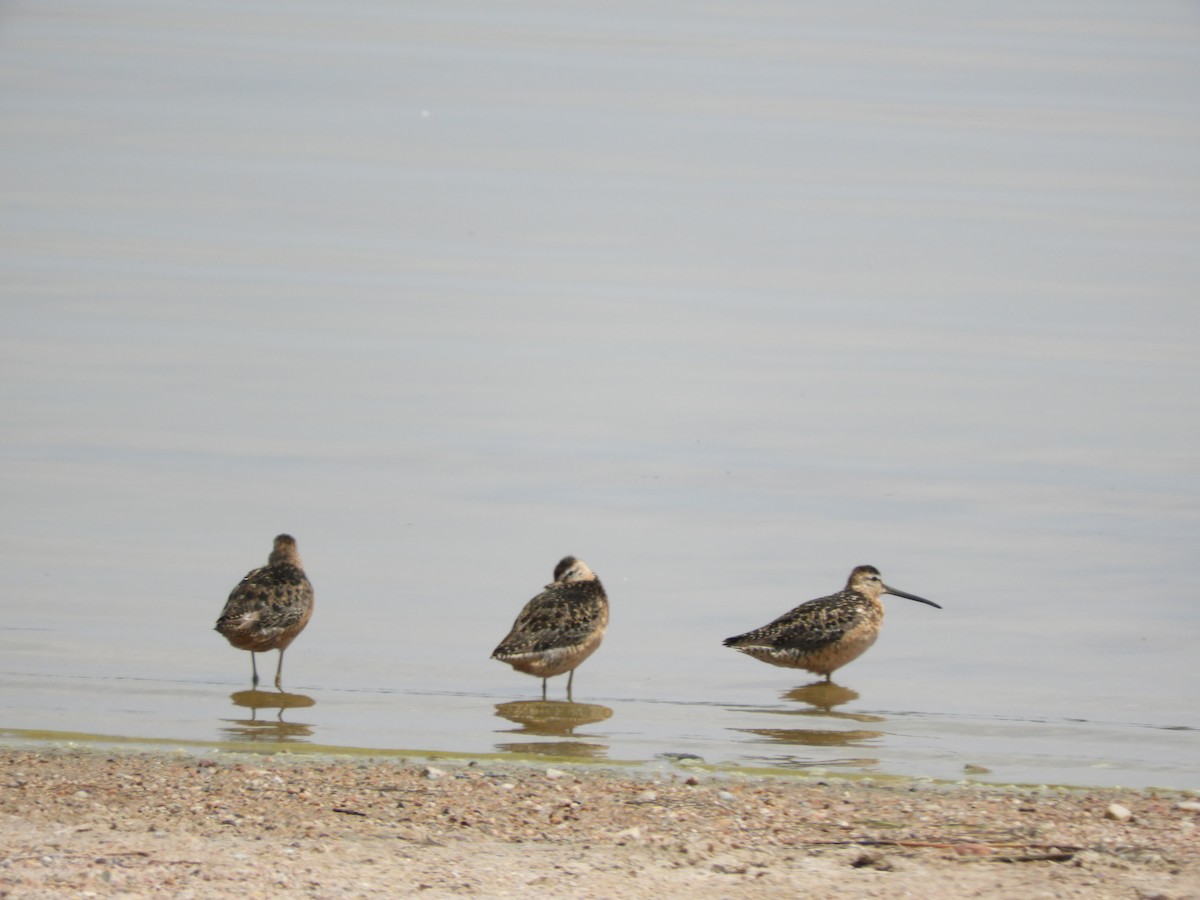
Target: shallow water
point(723, 301)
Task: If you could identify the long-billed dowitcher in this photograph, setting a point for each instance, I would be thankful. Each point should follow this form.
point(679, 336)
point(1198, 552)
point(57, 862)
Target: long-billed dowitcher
point(560, 627)
point(824, 634)
point(270, 606)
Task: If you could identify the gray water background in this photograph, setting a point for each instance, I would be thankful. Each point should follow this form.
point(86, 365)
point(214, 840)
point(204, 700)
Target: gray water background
point(724, 300)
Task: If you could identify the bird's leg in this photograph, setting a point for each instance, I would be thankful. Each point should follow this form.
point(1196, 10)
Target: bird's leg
point(279, 672)
point(254, 670)
point(543, 688)
point(570, 678)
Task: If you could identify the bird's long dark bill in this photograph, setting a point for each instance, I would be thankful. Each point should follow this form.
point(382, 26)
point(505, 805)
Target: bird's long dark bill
point(910, 596)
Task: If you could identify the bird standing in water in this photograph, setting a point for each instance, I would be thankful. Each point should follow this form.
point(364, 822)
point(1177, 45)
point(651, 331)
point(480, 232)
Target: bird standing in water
point(824, 634)
point(270, 606)
point(560, 627)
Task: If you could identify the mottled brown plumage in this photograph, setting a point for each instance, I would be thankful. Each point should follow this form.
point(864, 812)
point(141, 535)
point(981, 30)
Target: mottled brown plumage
point(560, 627)
point(270, 606)
point(824, 634)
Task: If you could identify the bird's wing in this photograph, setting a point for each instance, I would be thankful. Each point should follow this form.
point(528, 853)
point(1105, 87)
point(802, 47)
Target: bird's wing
point(808, 627)
point(554, 618)
point(270, 597)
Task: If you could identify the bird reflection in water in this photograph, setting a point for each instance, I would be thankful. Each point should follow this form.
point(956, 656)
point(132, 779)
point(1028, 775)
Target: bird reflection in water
point(557, 749)
point(272, 729)
point(553, 718)
point(819, 699)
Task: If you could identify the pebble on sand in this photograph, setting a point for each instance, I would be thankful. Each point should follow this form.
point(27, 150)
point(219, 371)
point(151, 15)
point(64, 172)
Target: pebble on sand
point(1118, 813)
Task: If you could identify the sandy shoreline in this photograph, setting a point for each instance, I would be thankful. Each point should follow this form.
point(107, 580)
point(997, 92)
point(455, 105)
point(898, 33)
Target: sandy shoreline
point(105, 823)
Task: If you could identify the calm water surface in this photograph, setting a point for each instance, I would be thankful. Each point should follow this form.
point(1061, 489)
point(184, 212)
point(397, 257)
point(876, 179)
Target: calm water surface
point(723, 301)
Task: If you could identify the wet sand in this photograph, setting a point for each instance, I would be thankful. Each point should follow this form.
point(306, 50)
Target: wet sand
point(105, 823)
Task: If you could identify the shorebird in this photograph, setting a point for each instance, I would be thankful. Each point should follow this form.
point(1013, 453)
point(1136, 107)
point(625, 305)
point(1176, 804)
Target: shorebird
point(824, 634)
point(560, 627)
point(270, 606)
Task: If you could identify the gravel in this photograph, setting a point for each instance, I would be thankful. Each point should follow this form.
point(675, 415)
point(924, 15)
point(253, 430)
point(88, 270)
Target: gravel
point(99, 823)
